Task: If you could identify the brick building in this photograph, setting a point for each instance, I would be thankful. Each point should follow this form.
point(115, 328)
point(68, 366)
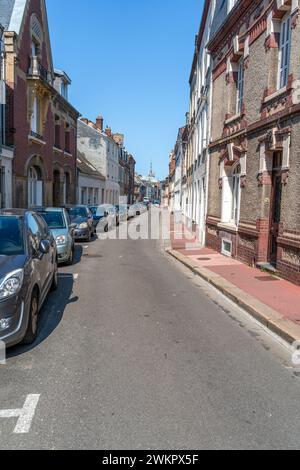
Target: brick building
point(254, 191)
point(41, 124)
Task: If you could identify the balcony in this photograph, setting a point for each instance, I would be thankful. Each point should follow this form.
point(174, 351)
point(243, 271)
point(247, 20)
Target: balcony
point(36, 70)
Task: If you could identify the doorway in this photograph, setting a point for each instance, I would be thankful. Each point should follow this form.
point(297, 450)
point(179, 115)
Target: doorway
point(276, 198)
point(56, 189)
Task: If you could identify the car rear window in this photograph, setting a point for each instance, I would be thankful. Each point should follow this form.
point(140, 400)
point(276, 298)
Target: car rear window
point(54, 220)
point(11, 236)
point(77, 212)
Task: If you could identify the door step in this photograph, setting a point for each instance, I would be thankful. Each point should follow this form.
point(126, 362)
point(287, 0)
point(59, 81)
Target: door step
point(267, 267)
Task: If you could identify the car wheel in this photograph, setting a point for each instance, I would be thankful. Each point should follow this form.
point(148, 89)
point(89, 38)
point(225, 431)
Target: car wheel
point(54, 284)
point(32, 327)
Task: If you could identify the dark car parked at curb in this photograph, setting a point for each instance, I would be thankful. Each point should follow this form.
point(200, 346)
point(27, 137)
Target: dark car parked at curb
point(28, 270)
point(82, 217)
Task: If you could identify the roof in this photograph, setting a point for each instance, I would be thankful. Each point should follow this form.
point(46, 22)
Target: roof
point(86, 167)
point(11, 14)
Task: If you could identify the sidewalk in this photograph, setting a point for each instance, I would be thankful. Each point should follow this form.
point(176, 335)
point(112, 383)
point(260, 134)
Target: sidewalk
point(272, 301)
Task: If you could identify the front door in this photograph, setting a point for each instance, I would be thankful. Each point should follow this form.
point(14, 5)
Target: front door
point(276, 197)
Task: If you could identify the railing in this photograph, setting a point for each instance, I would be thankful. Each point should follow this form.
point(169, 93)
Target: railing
point(35, 135)
point(38, 70)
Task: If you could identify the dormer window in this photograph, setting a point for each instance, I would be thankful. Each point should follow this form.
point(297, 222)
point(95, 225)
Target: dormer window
point(284, 51)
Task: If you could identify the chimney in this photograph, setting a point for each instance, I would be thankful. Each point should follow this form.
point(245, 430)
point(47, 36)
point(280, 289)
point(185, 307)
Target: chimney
point(99, 123)
point(108, 131)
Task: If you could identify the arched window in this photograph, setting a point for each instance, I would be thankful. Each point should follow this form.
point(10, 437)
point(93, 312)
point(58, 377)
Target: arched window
point(35, 187)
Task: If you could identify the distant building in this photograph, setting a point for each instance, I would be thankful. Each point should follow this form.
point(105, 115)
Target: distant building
point(100, 149)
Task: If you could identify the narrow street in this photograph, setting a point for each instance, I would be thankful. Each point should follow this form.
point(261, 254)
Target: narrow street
point(136, 353)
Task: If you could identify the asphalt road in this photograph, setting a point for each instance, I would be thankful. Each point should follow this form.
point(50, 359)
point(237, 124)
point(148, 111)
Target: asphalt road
point(134, 352)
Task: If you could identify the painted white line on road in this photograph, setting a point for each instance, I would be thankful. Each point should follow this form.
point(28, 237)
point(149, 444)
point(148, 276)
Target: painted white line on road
point(24, 414)
point(75, 276)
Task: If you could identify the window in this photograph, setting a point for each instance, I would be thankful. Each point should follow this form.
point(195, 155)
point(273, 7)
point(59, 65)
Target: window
point(240, 87)
point(231, 196)
point(57, 132)
point(236, 192)
point(284, 51)
point(2, 187)
point(67, 139)
point(35, 188)
point(35, 117)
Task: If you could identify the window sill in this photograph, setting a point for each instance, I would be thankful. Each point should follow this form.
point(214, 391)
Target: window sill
point(57, 150)
point(233, 118)
point(275, 95)
point(67, 154)
point(228, 226)
point(36, 140)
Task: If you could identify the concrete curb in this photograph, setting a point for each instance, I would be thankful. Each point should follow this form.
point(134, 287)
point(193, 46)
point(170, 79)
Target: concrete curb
point(270, 318)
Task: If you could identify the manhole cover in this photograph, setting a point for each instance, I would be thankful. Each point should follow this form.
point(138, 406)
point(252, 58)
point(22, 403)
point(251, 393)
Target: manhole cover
point(204, 259)
point(92, 256)
point(266, 278)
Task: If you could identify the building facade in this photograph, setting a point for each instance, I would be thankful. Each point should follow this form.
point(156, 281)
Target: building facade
point(254, 208)
point(6, 152)
point(126, 172)
point(90, 183)
point(100, 149)
point(40, 124)
point(197, 164)
point(179, 153)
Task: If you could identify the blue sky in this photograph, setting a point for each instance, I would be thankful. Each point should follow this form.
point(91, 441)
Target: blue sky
point(129, 60)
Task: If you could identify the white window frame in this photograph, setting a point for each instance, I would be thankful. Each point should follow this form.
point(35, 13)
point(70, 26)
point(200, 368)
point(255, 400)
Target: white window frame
point(231, 196)
point(284, 51)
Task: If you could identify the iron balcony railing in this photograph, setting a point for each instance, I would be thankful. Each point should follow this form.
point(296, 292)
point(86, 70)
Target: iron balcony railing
point(37, 70)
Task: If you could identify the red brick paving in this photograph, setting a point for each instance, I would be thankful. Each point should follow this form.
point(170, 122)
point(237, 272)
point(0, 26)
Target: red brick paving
point(280, 295)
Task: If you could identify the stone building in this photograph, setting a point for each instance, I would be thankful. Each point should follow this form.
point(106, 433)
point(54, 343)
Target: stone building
point(197, 158)
point(102, 152)
point(254, 192)
point(126, 171)
point(40, 123)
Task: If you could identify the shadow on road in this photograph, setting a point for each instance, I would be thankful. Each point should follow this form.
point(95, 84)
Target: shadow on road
point(51, 314)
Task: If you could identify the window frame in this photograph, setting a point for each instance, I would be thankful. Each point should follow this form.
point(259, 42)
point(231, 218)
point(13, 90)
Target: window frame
point(284, 51)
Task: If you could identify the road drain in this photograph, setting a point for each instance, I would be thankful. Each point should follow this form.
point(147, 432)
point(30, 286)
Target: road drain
point(204, 259)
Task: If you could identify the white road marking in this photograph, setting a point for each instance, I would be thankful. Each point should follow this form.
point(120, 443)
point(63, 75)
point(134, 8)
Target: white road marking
point(75, 276)
point(24, 414)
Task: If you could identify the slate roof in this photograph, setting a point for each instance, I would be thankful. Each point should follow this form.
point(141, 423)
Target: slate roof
point(11, 14)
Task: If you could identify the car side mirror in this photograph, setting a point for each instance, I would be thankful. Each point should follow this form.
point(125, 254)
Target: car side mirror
point(45, 247)
point(105, 214)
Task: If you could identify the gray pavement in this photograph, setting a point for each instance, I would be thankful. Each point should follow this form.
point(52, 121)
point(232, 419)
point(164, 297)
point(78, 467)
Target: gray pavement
point(135, 352)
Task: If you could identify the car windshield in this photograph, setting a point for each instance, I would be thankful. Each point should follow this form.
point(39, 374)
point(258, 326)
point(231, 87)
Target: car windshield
point(11, 236)
point(54, 220)
point(77, 212)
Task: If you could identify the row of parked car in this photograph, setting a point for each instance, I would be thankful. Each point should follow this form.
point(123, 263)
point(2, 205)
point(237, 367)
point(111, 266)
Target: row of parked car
point(32, 245)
